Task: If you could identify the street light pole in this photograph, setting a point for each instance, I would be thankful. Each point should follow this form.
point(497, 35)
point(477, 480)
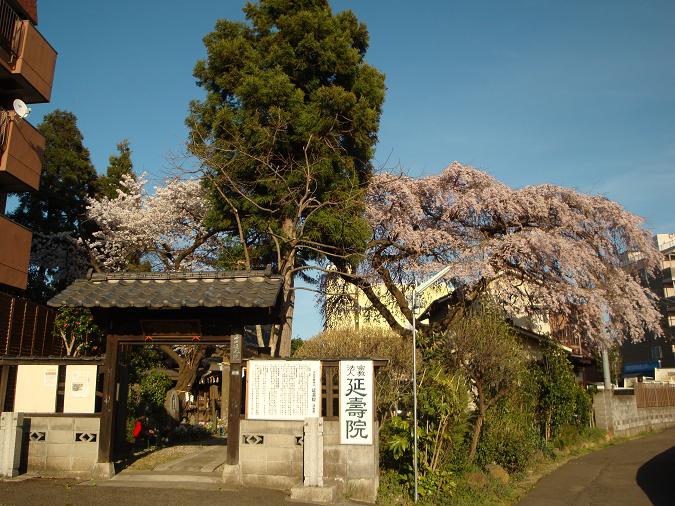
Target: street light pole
point(418, 291)
point(414, 350)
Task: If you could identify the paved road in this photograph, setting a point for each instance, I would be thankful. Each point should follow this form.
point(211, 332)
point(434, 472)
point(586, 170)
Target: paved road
point(638, 472)
point(49, 492)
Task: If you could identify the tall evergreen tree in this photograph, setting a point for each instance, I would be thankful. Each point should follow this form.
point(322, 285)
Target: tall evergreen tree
point(56, 213)
point(119, 165)
point(286, 134)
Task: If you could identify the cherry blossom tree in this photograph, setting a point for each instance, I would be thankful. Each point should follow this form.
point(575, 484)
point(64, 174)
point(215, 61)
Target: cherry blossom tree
point(165, 228)
point(544, 250)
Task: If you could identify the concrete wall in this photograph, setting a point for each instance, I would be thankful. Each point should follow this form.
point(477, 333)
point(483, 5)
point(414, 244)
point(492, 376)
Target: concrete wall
point(618, 414)
point(271, 456)
point(62, 446)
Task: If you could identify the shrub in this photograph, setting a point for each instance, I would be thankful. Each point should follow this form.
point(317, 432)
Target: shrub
point(393, 382)
point(562, 403)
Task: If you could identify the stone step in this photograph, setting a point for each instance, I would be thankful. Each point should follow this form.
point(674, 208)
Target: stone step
point(166, 479)
point(168, 476)
point(178, 485)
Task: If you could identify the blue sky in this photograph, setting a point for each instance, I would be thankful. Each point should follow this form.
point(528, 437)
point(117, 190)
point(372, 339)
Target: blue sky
point(577, 93)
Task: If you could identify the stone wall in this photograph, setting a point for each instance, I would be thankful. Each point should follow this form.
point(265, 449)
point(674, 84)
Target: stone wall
point(62, 446)
point(271, 456)
point(617, 413)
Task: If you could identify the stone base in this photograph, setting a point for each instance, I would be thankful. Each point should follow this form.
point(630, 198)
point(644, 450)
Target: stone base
point(362, 490)
point(323, 495)
point(103, 471)
point(232, 475)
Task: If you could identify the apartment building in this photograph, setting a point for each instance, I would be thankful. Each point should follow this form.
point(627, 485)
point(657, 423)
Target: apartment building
point(27, 63)
point(26, 72)
point(640, 359)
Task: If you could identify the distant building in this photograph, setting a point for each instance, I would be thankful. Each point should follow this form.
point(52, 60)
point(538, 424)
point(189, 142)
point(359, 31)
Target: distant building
point(640, 359)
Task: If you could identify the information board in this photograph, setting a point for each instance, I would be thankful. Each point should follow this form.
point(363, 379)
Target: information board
point(80, 391)
point(283, 389)
point(356, 402)
point(36, 388)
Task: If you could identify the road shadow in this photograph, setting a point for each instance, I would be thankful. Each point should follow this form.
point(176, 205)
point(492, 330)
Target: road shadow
point(655, 478)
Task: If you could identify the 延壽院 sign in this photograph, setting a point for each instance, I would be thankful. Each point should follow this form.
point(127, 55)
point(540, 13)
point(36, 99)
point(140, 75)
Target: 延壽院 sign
point(356, 402)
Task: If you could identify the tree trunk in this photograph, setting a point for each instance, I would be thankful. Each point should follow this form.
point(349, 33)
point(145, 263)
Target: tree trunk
point(478, 426)
point(287, 315)
point(280, 341)
point(187, 370)
point(187, 366)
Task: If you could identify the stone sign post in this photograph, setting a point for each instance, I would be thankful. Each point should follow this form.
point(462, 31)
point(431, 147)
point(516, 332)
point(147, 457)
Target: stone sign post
point(234, 408)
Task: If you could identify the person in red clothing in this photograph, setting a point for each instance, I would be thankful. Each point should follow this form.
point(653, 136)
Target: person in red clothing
point(138, 429)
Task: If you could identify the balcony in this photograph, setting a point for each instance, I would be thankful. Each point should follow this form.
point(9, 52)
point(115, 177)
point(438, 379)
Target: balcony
point(668, 274)
point(14, 253)
point(21, 149)
point(27, 60)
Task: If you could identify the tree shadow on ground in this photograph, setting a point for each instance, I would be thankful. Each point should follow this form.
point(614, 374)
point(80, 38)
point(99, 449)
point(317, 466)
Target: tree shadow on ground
point(655, 477)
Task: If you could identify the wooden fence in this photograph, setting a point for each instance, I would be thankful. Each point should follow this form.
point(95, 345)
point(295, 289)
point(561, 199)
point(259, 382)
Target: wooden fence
point(26, 329)
point(654, 395)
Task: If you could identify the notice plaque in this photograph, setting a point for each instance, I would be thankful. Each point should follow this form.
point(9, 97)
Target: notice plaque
point(80, 391)
point(283, 389)
point(356, 402)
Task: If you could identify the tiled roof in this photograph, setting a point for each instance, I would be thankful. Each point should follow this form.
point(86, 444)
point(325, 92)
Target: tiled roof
point(172, 290)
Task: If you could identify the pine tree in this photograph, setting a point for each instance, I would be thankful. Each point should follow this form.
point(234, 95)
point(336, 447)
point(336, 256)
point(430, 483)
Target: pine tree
point(119, 165)
point(286, 135)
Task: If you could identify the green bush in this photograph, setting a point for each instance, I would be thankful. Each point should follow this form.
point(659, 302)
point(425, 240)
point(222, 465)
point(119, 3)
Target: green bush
point(510, 437)
point(563, 404)
point(154, 387)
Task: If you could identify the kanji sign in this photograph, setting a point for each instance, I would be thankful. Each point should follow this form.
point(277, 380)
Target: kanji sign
point(283, 389)
point(356, 402)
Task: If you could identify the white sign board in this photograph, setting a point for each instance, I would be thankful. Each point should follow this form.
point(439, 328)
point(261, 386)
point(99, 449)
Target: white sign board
point(36, 388)
point(356, 402)
point(80, 392)
point(283, 389)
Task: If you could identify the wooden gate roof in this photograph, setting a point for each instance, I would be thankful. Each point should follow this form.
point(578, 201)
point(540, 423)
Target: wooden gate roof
point(173, 290)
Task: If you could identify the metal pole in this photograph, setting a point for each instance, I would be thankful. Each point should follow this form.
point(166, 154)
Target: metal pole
point(414, 350)
point(605, 369)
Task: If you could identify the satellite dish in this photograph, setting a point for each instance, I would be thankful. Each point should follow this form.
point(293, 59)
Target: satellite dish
point(21, 109)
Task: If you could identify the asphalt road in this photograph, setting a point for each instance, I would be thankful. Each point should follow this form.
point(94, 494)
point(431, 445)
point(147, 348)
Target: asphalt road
point(50, 492)
point(635, 473)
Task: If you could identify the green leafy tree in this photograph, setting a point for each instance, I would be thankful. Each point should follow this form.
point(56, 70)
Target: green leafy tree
point(56, 212)
point(483, 348)
point(563, 403)
point(80, 335)
point(119, 165)
point(285, 137)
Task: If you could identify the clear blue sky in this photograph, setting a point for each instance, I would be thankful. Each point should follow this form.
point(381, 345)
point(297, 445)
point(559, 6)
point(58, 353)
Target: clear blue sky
point(579, 93)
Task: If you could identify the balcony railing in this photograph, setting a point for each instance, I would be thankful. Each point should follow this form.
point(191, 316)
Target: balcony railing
point(14, 253)
point(27, 60)
point(4, 128)
point(10, 30)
